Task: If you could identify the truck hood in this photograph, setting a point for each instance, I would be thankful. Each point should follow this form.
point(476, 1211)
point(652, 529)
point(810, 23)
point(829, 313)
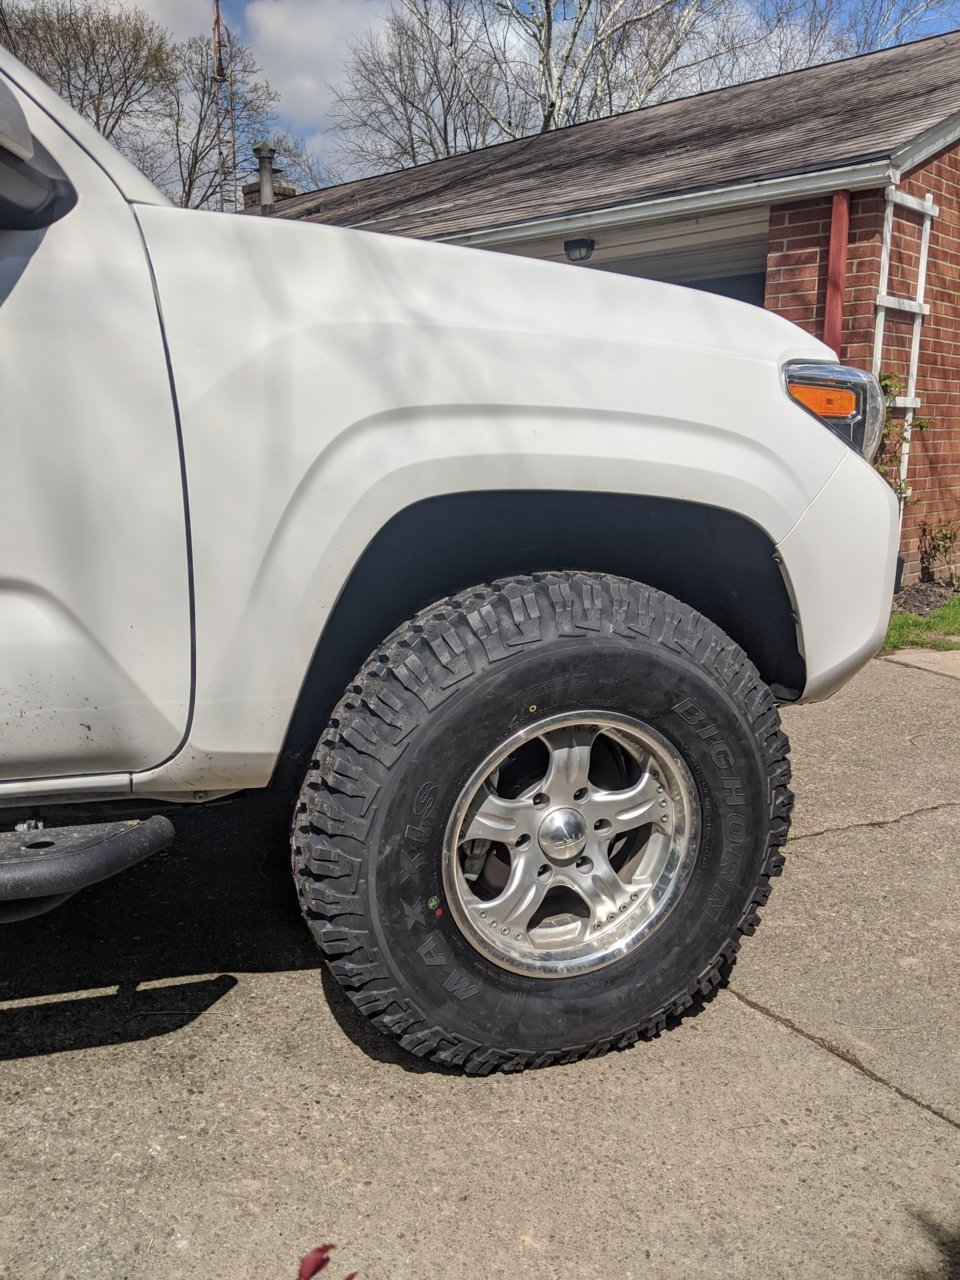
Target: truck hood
point(306, 271)
point(310, 344)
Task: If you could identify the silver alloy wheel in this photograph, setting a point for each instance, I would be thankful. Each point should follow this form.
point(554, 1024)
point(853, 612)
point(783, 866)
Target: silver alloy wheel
point(549, 870)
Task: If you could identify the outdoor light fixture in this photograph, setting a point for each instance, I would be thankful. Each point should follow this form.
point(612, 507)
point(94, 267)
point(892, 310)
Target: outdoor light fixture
point(578, 250)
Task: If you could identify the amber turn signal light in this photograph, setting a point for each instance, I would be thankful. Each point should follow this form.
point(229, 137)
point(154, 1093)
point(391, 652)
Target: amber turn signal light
point(848, 401)
point(825, 402)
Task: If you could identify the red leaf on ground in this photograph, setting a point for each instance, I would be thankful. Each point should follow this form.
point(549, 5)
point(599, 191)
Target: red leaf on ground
point(312, 1263)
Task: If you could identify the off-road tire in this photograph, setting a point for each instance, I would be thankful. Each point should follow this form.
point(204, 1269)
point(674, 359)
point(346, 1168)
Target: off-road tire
point(439, 694)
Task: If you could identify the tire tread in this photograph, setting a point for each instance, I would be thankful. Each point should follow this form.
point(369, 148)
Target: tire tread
point(416, 669)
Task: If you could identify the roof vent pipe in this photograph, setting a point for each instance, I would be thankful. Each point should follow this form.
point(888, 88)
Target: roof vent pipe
point(265, 153)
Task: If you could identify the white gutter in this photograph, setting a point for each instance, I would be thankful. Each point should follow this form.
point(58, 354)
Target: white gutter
point(937, 138)
point(857, 177)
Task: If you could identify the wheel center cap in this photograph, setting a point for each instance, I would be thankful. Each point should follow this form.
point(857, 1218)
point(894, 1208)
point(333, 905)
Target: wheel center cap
point(562, 835)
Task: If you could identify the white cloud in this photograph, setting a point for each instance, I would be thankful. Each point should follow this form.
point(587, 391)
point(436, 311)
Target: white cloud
point(301, 45)
point(182, 17)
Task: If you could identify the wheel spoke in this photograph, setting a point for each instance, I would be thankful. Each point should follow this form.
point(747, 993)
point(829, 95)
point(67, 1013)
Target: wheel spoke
point(522, 894)
point(630, 808)
point(601, 888)
point(503, 821)
point(586, 849)
point(569, 762)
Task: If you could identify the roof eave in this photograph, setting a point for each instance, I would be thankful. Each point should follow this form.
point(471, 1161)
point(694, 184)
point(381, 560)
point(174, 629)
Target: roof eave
point(856, 177)
point(928, 143)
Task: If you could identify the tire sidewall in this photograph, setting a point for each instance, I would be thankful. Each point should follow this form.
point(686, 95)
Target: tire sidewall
point(415, 933)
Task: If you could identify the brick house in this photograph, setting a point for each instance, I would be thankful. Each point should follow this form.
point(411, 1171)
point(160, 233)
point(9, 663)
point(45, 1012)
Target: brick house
point(830, 195)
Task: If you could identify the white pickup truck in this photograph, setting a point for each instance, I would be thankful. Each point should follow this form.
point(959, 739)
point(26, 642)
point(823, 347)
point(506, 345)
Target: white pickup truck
point(565, 539)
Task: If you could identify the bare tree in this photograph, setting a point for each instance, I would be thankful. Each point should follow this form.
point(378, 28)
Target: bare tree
point(865, 25)
point(300, 165)
point(111, 64)
point(441, 76)
point(565, 61)
point(739, 42)
point(185, 156)
point(154, 98)
point(406, 75)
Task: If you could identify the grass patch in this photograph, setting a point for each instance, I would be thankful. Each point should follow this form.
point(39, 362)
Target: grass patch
point(907, 631)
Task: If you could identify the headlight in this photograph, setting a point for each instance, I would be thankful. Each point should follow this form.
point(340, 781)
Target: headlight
point(848, 401)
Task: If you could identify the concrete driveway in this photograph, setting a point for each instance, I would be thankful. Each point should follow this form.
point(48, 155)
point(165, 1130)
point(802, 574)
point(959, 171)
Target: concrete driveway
point(186, 1095)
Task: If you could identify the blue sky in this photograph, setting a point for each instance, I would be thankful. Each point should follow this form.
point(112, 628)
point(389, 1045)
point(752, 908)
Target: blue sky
point(300, 44)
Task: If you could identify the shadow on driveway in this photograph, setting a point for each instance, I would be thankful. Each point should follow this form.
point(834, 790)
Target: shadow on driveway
point(947, 1242)
point(219, 901)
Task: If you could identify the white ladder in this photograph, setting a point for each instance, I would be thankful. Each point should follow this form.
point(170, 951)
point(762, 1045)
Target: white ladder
point(916, 305)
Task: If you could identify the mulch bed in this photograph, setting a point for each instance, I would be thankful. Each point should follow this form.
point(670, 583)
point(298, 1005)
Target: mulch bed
point(922, 598)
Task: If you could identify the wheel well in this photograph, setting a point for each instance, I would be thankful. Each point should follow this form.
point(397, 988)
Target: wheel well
point(714, 560)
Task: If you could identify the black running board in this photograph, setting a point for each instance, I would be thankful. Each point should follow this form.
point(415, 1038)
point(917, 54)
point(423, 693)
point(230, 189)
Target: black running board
point(51, 863)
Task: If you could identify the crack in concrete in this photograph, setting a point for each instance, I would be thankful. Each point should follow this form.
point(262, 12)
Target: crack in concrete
point(927, 671)
point(844, 1055)
point(877, 822)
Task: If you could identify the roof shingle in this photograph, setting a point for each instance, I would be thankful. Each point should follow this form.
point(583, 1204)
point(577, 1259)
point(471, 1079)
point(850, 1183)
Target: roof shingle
point(825, 117)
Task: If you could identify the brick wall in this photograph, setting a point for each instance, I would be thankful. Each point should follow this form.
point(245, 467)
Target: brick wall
point(796, 288)
point(797, 262)
point(934, 453)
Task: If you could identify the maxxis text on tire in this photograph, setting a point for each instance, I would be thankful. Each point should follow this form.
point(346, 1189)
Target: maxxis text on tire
point(442, 692)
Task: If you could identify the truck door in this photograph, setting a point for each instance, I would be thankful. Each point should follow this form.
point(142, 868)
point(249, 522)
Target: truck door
point(95, 633)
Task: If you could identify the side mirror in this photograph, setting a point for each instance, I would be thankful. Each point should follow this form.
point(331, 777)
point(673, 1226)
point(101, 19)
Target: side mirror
point(14, 130)
point(34, 190)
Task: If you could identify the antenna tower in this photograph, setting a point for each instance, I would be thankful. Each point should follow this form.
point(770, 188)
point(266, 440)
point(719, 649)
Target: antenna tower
point(224, 111)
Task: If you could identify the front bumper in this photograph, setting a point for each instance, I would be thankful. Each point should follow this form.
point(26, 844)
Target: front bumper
point(840, 561)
